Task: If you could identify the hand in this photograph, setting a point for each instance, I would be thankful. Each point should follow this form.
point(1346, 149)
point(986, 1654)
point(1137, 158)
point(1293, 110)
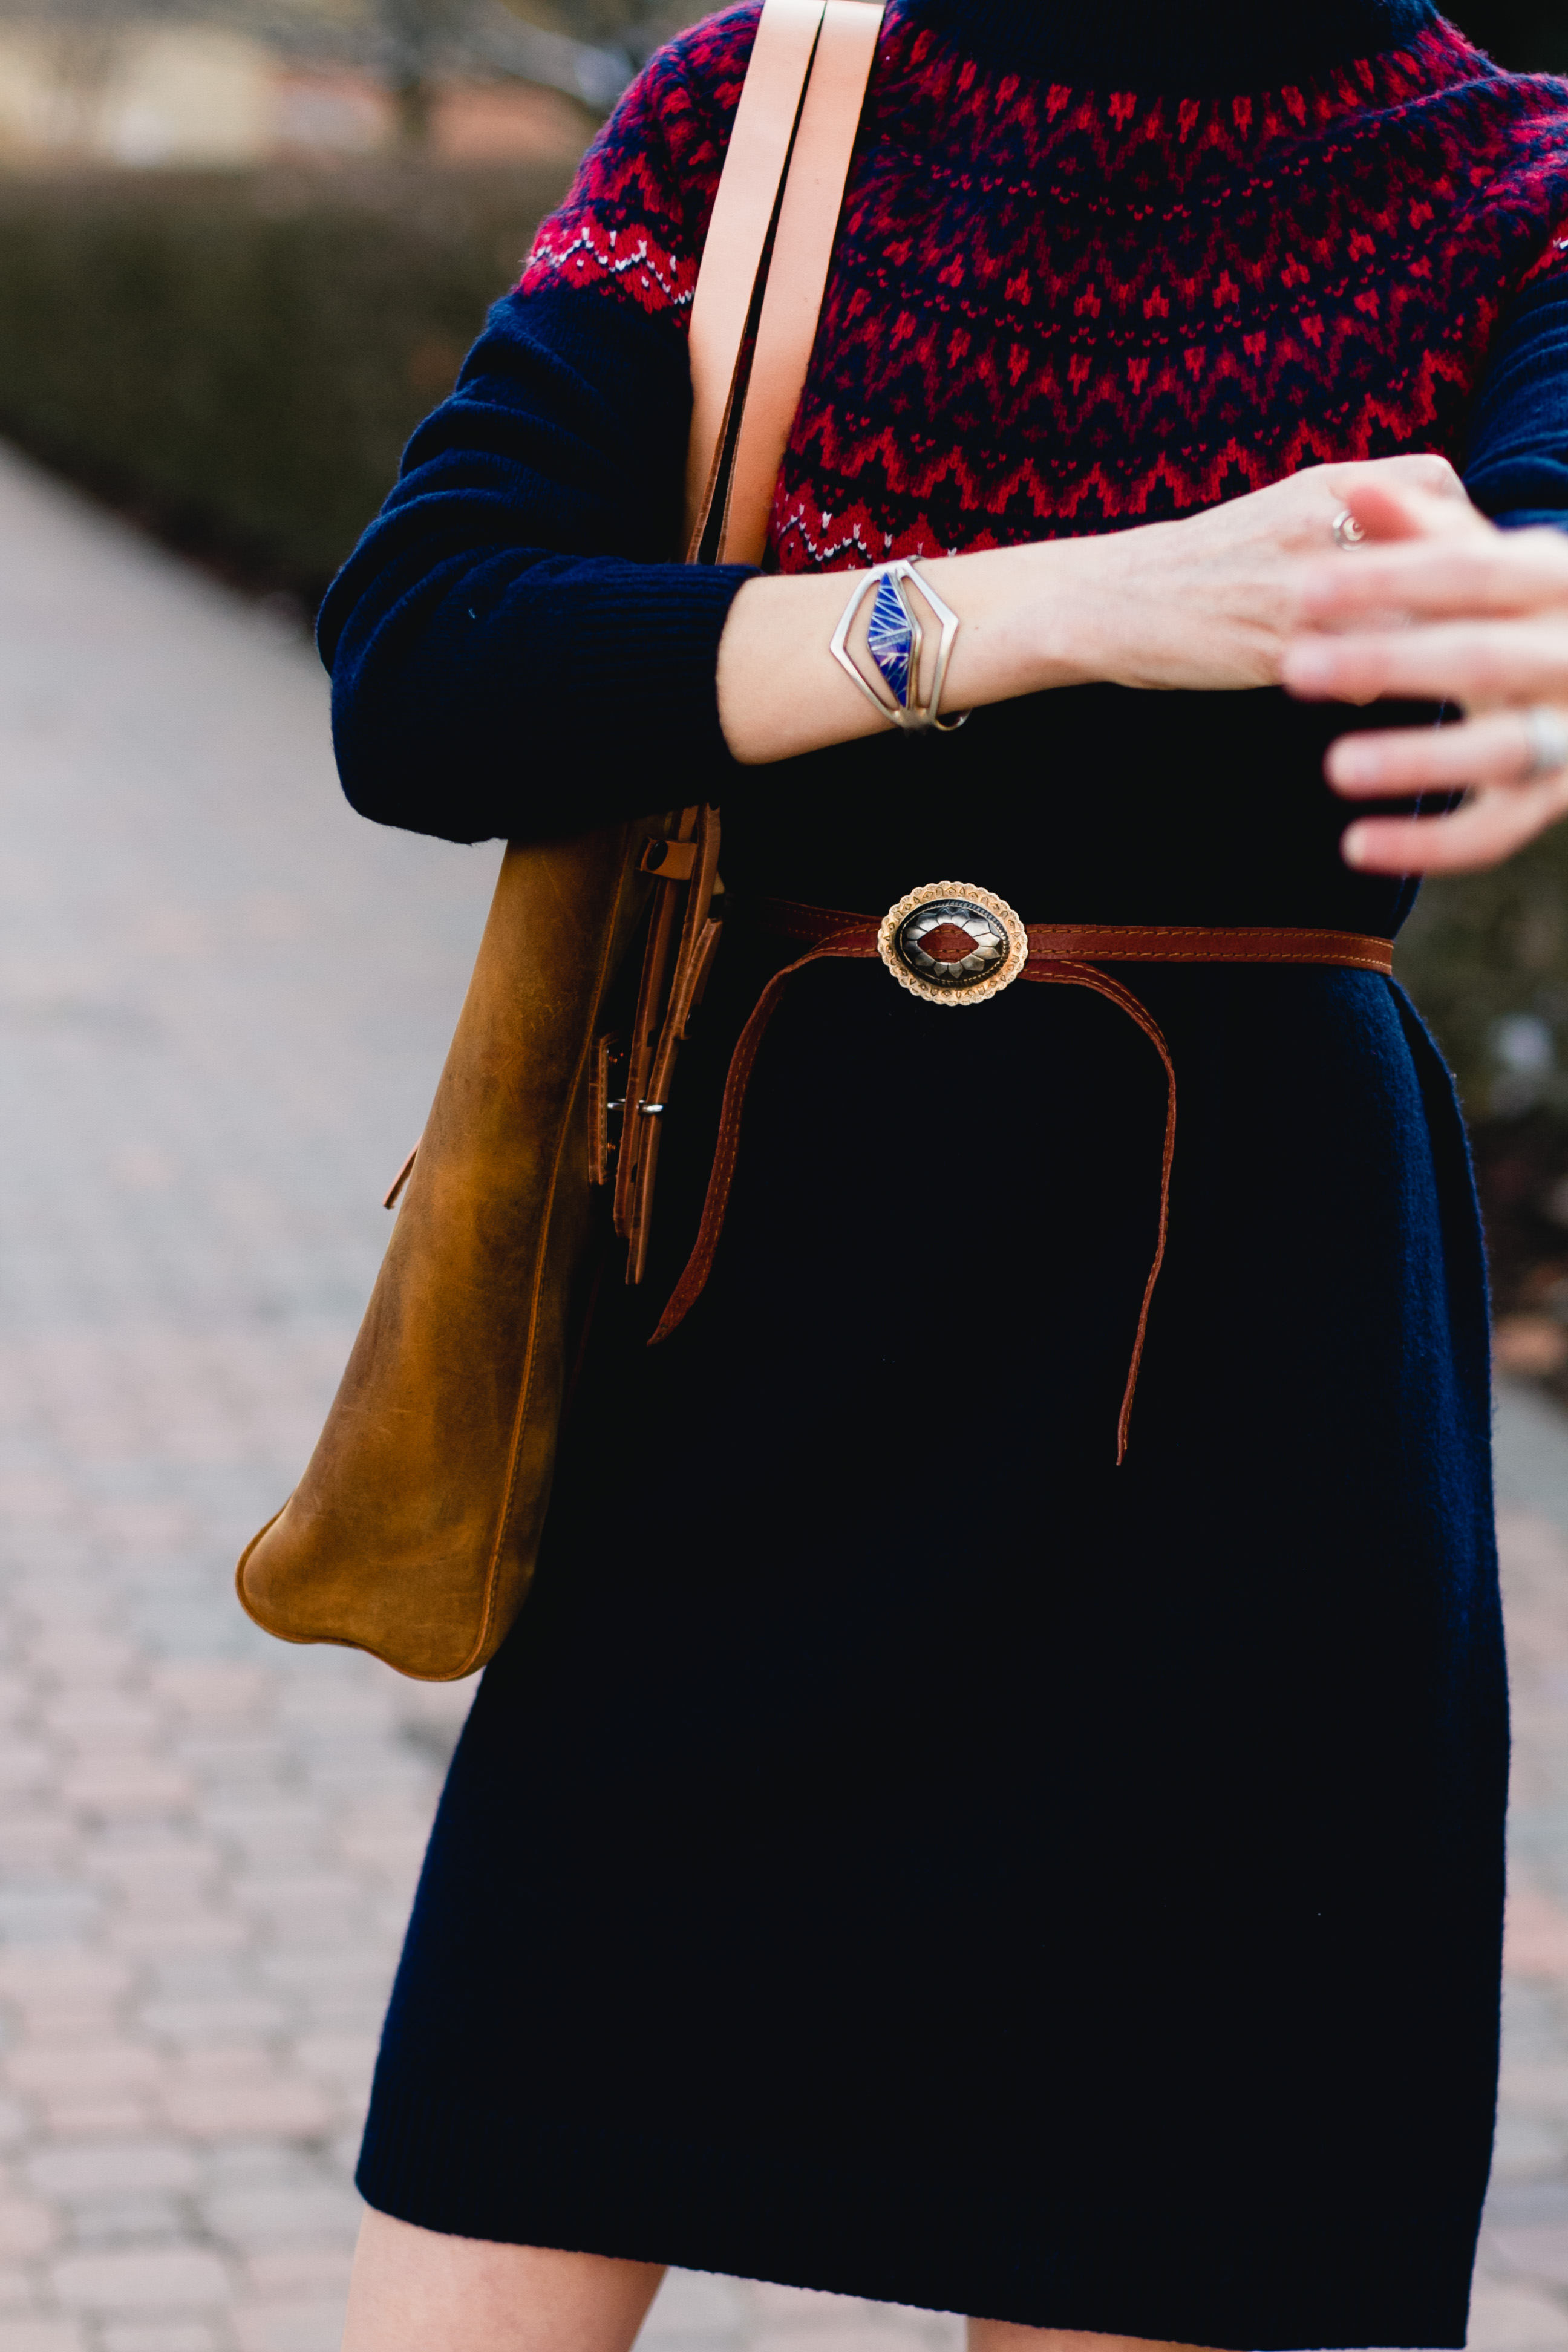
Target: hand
point(1212, 602)
point(1440, 605)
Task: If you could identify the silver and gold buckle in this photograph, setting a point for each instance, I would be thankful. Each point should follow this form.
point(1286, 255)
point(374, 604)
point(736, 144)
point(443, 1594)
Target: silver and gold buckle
point(951, 943)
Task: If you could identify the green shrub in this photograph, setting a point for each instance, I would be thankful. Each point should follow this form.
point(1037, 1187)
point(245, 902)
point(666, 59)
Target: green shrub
point(241, 357)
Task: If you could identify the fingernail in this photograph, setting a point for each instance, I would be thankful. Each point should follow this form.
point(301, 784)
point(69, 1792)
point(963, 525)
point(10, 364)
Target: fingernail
point(1352, 845)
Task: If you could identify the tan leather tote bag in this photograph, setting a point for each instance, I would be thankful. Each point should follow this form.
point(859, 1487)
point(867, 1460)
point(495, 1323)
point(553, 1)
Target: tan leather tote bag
point(414, 1529)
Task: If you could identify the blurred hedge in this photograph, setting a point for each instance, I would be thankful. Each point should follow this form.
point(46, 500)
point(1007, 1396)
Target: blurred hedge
point(239, 357)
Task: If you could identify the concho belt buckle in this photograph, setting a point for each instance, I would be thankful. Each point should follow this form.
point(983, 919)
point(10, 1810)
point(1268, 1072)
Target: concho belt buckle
point(952, 944)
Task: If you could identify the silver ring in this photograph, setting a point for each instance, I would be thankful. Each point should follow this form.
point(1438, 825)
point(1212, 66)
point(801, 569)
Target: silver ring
point(1348, 532)
point(1548, 738)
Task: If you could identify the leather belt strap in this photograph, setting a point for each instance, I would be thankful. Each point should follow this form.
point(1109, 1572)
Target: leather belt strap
point(1125, 942)
point(1058, 954)
point(666, 993)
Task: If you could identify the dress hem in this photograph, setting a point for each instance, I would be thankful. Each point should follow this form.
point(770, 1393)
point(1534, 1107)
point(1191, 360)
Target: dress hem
point(958, 2244)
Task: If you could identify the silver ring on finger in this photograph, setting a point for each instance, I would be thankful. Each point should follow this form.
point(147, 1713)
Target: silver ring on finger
point(1347, 531)
point(1546, 733)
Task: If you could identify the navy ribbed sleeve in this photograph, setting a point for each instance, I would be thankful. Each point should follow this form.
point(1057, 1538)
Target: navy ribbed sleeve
point(513, 652)
point(1516, 467)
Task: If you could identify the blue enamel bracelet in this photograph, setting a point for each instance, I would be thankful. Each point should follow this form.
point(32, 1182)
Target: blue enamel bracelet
point(895, 637)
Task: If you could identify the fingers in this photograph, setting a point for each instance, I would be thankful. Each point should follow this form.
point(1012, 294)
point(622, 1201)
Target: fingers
point(1420, 470)
point(1489, 571)
point(1489, 828)
point(1394, 511)
point(1469, 662)
point(1498, 750)
point(1399, 500)
point(1438, 605)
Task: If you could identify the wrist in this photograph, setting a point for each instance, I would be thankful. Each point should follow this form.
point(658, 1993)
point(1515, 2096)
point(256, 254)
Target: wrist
point(1034, 617)
point(1076, 607)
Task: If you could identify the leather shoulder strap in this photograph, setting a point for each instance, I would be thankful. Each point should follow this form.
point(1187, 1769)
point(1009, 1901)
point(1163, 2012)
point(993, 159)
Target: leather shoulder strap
point(743, 208)
point(797, 272)
point(798, 115)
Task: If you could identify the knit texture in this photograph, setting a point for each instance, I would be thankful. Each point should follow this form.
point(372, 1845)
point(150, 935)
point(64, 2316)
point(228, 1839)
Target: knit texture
point(1054, 309)
point(1186, 45)
point(1051, 309)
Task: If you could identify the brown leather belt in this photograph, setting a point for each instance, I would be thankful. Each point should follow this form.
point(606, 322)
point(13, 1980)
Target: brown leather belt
point(1107, 942)
point(1062, 954)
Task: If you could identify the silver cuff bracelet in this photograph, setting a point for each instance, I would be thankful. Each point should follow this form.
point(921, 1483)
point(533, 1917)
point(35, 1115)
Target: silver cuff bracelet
point(894, 637)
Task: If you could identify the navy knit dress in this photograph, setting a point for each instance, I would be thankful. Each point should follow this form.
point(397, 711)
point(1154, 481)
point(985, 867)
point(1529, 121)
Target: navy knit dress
point(899, 1850)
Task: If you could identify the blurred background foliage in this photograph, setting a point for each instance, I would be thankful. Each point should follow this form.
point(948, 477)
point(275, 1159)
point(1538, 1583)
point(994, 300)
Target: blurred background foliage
point(237, 358)
point(244, 245)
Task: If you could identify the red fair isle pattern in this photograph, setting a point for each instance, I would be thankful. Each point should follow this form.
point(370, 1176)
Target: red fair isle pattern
point(637, 213)
point(1057, 310)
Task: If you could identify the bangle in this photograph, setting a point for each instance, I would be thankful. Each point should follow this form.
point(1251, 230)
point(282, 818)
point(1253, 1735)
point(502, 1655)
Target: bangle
point(894, 637)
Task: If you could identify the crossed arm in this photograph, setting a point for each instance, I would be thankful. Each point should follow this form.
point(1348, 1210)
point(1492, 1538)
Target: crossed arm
point(1437, 603)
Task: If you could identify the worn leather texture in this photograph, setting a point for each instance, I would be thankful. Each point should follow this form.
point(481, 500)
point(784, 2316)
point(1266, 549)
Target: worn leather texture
point(414, 1530)
point(743, 206)
point(809, 208)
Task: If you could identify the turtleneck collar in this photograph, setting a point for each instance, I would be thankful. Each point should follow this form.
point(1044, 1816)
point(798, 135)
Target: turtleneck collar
point(1196, 47)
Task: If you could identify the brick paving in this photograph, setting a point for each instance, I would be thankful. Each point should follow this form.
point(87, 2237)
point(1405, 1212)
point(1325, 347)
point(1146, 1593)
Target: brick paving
point(223, 1001)
point(1522, 2289)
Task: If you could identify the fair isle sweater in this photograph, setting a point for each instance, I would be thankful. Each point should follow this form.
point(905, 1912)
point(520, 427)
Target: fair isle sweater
point(1094, 268)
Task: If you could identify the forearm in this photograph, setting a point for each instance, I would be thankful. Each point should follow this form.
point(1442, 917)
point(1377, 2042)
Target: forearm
point(509, 654)
point(1202, 604)
point(1027, 622)
point(499, 694)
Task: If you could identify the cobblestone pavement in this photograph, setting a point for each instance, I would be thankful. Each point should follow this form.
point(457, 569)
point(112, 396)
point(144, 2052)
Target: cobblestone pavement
point(223, 999)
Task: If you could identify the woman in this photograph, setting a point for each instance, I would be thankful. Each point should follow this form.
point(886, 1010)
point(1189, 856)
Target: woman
point(903, 1848)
